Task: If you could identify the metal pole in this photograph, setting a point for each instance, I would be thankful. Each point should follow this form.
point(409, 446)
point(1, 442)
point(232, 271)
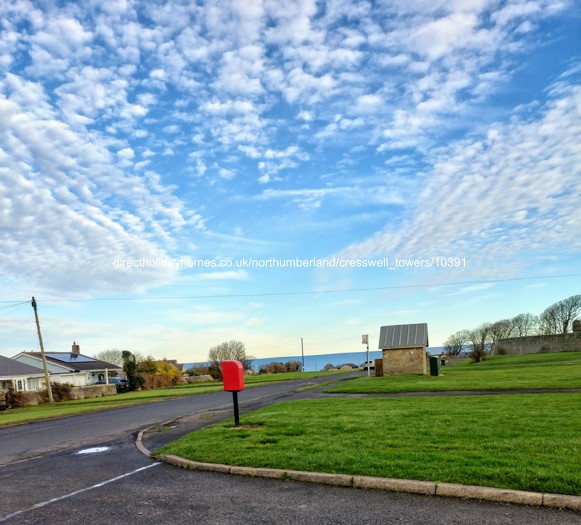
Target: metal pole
point(365, 341)
point(303, 354)
point(46, 378)
point(236, 412)
point(368, 363)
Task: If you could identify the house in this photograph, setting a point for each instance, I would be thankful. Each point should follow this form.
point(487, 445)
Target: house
point(19, 376)
point(348, 366)
point(404, 348)
point(70, 367)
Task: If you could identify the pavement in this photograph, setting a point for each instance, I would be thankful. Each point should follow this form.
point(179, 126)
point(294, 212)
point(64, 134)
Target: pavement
point(155, 436)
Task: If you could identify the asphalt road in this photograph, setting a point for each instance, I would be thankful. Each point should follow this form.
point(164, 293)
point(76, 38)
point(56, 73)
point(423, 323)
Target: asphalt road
point(117, 484)
point(34, 439)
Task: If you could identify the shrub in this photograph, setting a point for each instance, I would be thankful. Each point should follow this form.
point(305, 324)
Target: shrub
point(215, 371)
point(272, 368)
point(198, 371)
point(280, 368)
point(151, 381)
point(478, 353)
point(60, 392)
point(14, 399)
point(294, 366)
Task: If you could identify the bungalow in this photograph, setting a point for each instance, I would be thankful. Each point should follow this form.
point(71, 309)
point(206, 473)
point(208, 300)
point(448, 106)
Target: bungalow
point(19, 376)
point(70, 367)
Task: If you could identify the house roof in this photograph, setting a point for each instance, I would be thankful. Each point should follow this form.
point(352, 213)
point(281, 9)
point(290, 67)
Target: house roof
point(76, 362)
point(403, 336)
point(179, 366)
point(11, 368)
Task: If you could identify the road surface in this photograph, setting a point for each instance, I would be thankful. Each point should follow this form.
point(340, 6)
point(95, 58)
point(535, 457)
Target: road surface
point(87, 470)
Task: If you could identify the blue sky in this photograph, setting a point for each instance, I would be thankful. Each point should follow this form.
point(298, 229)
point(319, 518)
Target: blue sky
point(274, 130)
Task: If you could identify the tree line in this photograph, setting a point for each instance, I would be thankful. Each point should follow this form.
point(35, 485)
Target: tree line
point(555, 319)
point(143, 372)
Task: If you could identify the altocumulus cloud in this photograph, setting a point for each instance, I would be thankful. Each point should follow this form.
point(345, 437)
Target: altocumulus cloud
point(123, 124)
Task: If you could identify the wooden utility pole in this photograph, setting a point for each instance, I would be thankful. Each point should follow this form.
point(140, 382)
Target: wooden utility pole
point(46, 378)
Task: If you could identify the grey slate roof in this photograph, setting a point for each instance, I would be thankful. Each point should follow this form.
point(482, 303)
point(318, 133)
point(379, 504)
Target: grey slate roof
point(11, 368)
point(68, 360)
point(403, 336)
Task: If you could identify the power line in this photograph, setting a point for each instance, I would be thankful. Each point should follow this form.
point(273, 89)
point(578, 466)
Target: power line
point(12, 309)
point(311, 292)
point(12, 304)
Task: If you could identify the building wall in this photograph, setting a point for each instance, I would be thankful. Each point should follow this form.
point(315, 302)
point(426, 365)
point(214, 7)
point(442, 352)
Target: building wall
point(21, 383)
point(37, 362)
point(537, 344)
point(404, 361)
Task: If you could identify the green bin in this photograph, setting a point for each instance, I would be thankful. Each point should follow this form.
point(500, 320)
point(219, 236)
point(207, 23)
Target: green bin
point(434, 366)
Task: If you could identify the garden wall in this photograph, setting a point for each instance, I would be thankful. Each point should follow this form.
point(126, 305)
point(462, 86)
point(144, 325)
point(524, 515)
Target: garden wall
point(38, 397)
point(537, 344)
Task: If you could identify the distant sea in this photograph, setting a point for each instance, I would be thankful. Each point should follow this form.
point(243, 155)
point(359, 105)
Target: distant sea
point(315, 363)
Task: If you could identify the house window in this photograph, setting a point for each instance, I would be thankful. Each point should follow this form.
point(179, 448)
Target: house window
point(19, 384)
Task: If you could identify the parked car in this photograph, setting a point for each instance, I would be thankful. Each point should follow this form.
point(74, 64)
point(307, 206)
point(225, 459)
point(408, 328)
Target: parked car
point(368, 364)
point(121, 384)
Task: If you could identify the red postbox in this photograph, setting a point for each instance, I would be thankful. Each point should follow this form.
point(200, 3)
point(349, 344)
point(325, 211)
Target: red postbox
point(233, 375)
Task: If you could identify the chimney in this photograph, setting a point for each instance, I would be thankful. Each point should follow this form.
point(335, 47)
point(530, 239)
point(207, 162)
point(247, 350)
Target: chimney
point(76, 348)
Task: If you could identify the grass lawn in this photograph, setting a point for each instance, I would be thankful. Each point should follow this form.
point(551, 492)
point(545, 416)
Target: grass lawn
point(559, 370)
point(67, 408)
point(527, 442)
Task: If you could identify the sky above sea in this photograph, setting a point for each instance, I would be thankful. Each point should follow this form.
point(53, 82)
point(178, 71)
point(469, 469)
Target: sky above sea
point(176, 174)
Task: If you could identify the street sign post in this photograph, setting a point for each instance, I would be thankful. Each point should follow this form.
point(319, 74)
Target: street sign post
point(365, 341)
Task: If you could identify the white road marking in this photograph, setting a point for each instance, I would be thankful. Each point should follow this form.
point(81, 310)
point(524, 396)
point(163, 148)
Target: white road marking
point(75, 493)
point(94, 450)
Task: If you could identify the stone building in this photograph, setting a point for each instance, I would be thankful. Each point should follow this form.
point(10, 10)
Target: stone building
point(404, 348)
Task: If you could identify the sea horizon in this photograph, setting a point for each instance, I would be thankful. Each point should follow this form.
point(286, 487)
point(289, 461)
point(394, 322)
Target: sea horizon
point(317, 362)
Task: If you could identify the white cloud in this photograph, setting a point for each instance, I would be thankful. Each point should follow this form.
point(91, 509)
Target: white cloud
point(126, 118)
point(352, 195)
point(492, 199)
point(440, 37)
point(67, 223)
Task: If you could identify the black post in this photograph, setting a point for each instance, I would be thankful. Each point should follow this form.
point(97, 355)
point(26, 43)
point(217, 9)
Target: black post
point(236, 413)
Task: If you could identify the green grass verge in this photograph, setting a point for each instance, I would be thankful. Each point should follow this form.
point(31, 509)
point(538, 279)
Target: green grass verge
point(68, 408)
point(559, 370)
point(527, 442)
point(289, 376)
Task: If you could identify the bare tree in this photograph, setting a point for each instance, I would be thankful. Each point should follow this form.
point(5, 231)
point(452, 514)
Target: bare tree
point(111, 355)
point(567, 310)
point(524, 325)
point(480, 337)
point(558, 318)
point(455, 343)
point(229, 350)
point(501, 330)
point(549, 321)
